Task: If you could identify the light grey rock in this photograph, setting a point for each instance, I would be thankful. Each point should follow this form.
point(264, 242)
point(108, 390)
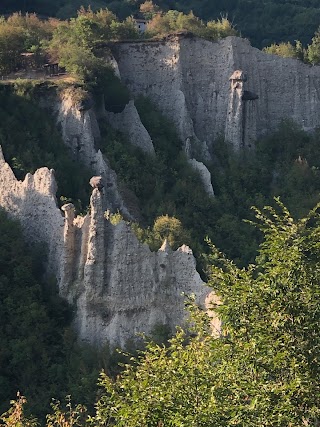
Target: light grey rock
point(129, 122)
point(188, 79)
point(127, 289)
point(235, 114)
point(96, 182)
point(117, 285)
point(204, 175)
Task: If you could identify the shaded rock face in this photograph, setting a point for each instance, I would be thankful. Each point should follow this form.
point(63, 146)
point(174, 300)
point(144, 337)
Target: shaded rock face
point(33, 202)
point(188, 79)
point(128, 121)
point(117, 285)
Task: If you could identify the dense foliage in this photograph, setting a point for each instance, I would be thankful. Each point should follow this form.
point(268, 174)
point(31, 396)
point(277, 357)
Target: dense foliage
point(23, 33)
point(263, 369)
point(173, 20)
point(76, 43)
point(310, 54)
point(264, 23)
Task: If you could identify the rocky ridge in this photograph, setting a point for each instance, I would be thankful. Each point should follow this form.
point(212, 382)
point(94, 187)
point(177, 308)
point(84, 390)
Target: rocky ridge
point(117, 285)
point(190, 80)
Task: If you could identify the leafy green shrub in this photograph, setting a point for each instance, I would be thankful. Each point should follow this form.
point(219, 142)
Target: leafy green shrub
point(173, 20)
point(262, 368)
point(15, 416)
point(286, 50)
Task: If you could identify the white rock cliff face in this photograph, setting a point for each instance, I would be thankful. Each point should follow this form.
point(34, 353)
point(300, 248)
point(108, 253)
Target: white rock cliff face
point(188, 79)
point(129, 288)
point(80, 132)
point(118, 286)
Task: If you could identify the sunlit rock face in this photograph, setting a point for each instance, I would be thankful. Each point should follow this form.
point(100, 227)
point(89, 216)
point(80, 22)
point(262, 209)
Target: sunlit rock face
point(189, 79)
point(118, 286)
point(80, 132)
point(124, 288)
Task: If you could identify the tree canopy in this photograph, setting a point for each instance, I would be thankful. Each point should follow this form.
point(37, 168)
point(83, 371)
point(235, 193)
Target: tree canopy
point(264, 23)
point(264, 367)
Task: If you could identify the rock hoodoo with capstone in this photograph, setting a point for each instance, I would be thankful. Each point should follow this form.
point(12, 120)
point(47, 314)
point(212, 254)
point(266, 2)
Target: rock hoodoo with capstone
point(97, 182)
point(119, 288)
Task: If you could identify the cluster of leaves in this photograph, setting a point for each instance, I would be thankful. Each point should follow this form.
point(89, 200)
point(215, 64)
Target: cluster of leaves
point(15, 416)
point(310, 54)
point(269, 314)
point(264, 23)
point(287, 50)
point(165, 228)
point(262, 369)
point(165, 23)
point(23, 33)
point(30, 140)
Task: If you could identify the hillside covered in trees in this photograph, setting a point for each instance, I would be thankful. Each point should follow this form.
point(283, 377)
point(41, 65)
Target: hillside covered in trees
point(264, 23)
point(266, 364)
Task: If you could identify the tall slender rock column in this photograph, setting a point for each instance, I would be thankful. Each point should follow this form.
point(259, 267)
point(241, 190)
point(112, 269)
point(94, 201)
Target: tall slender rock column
point(94, 266)
point(235, 115)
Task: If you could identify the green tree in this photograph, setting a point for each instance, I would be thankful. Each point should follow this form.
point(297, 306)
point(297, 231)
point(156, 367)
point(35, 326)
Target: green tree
point(76, 46)
point(219, 29)
point(149, 9)
point(313, 50)
point(269, 313)
point(286, 50)
point(263, 370)
point(169, 228)
point(11, 47)
point(164, 386)
point(173, 20)
point(15, 416)
point(22, 33)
